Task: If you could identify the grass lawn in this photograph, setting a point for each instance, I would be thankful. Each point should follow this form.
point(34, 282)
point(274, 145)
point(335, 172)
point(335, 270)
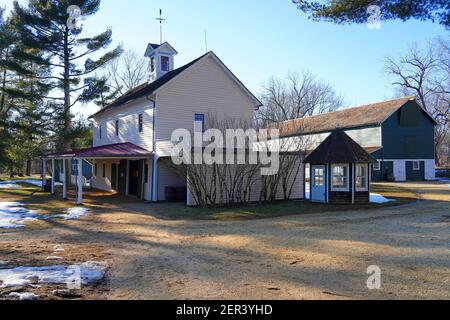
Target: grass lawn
point(34, 198)
point(44, 203)
point(179, 211)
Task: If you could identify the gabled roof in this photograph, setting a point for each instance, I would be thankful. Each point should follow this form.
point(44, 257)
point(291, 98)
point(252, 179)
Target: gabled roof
point(119, 150)
point(367, 115)
point(153, 46)
point(150, 88)
point(339, 148)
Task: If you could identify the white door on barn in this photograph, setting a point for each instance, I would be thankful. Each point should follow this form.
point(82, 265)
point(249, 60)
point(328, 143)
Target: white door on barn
point(318, 183)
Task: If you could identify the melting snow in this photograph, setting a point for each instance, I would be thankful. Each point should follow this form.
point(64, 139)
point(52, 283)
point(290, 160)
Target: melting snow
point(89, 272)
point(73, 214)
point(13, 215)
point(23, 296)
point(378, 198)
point(14, 184)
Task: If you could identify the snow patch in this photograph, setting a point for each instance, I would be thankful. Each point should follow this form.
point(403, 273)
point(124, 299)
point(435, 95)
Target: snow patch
point(89, 273)
point(73, 214)
point(14, 184)
point(378, 198)
point(9, 186)
point(23, 296)
point(13, 215)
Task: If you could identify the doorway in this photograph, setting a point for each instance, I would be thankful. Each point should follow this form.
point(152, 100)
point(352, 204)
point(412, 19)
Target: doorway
point(318, 183)
point(133, 186)
point(114, 176)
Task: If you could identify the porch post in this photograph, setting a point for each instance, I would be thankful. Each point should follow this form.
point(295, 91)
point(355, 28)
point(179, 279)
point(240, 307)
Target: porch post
point(64, 193)
point(155, 179)
point(53, 177)
point(143, 180)
point(80, 182)
point(44, 171)
point(353, 181)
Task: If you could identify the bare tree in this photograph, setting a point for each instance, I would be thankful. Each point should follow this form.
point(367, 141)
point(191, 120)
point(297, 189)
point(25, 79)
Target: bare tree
point(426, 75)
point(297, 96)
point(126, 72)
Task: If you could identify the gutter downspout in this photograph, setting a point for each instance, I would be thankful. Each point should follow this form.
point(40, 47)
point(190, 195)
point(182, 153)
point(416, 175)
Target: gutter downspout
point(155, 156)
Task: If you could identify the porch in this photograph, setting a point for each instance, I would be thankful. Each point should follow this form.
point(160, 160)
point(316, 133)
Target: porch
point(121, 169)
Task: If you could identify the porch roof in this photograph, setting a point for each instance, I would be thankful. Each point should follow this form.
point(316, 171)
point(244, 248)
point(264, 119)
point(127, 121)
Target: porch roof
point(119, 150)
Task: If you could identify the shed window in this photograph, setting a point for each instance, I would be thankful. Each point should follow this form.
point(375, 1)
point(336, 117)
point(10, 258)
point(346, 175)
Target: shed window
point(141, 122)
point(117, 128)
point(340, 177)
point(377, 166)
point(361, 177)
point(318, 177)
point(416, 165)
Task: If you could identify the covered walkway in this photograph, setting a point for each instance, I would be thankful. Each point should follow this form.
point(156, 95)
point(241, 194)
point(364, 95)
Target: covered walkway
point(128, 171)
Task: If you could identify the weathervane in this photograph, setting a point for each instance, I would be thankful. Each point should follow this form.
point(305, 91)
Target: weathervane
point(160, 19)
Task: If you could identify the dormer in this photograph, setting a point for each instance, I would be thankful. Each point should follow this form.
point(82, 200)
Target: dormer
point(161, 60)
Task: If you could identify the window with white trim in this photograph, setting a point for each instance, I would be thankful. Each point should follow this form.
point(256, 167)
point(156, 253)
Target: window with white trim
point(362, 177)
point(319, 177)
point(377, 166)
point(340, 177)
point(416, 165)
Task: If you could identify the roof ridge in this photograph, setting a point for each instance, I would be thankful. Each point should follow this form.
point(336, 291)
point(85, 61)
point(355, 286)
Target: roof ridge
point(406, 98)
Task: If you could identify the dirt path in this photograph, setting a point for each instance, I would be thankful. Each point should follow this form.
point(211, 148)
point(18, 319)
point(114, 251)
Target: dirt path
point(318, 256)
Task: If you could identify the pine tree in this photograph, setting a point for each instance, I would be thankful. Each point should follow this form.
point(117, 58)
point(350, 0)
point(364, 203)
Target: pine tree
point(53, 28)
point(45, 25)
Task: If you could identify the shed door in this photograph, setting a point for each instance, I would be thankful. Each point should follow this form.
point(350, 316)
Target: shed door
point(318, 183)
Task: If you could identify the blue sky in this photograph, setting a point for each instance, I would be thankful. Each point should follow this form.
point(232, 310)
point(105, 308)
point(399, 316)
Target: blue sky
point(259, 39)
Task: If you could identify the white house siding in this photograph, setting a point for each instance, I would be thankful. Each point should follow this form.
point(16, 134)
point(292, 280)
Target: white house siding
point(399, 170)
point(204, 88)
point(168, 176)
point(297, 189)
point(128, 116)
point(98, 181)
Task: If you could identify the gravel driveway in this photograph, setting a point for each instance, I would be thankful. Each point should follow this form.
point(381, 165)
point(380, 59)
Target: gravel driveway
point(317, 256)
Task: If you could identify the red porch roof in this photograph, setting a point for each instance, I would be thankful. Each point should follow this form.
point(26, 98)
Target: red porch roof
point(119, 150)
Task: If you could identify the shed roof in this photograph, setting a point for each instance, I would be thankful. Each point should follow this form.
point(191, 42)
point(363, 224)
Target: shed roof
point(339, 148)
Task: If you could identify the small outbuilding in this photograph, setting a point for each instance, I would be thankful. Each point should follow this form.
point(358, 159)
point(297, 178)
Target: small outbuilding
point(340, 171)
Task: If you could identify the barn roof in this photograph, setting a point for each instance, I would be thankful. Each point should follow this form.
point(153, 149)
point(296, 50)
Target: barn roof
point(367, 115)
point(339, 148)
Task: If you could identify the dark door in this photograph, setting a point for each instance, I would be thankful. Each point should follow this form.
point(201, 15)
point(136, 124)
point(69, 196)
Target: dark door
point(415, 170)
point(122, 177)
point(133, 186)
point(114, 176)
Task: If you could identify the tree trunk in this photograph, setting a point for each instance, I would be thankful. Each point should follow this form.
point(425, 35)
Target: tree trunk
point(67, 115)
point(28, 169)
